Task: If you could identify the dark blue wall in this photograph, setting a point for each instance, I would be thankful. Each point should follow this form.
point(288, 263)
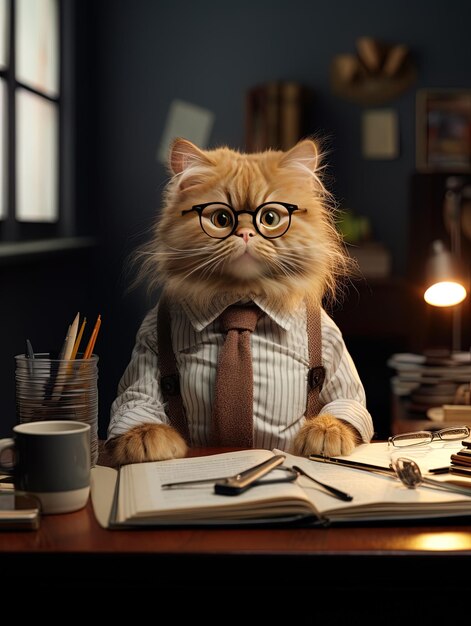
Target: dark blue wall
point(210, 54)
point(145, 53)
point(135, 57)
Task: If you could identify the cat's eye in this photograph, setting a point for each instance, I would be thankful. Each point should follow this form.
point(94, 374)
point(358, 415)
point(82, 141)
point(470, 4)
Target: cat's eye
point(271, 218)
point(222, 218)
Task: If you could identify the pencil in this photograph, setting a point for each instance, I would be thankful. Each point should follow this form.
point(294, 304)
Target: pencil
point(70, 339)
point(78, 340)
point(65, 355)
point(92, 340)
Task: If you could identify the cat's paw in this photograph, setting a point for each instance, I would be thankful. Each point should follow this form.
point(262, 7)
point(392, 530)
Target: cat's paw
point(147, 442)
point(325, 434)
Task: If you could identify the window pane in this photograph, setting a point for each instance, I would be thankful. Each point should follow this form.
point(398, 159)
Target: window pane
point(3, 137)
point(3, 32)
point(37, 52)
point(36, 158)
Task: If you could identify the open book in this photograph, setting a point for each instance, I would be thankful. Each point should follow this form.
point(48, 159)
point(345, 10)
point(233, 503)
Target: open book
point(134, 496)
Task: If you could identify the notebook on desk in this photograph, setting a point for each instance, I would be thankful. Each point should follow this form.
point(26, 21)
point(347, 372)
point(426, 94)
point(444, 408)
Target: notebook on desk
point(133, 496)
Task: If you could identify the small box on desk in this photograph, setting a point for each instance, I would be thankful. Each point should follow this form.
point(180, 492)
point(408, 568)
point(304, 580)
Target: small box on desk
point(457, 412)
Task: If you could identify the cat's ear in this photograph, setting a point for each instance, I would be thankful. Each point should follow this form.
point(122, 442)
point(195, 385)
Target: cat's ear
point(184, 154)
point(303, 155)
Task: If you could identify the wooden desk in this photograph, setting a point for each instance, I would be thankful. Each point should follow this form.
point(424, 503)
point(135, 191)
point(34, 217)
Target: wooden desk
point(77, 552)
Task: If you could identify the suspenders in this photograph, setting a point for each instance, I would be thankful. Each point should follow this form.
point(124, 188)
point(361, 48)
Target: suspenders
point(170, 379)
point(169, 376)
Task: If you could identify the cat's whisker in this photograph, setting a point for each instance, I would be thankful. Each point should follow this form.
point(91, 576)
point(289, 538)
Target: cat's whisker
point(176, 254)
point(294, 260)
point(288, 269)
point(199, 249)
point(223, 258)
point(281, 257)
point(188, 252)
point(209, 263)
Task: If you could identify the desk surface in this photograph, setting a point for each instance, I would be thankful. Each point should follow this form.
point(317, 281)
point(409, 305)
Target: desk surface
point(78, 535)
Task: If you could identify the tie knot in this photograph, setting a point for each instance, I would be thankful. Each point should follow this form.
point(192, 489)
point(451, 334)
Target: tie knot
point(240, 318)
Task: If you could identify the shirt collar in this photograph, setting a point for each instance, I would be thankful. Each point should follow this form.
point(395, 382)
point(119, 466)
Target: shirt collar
point(200, 319)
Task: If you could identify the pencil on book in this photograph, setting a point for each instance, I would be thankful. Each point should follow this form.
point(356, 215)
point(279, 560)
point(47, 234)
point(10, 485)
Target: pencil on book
point(92, 340)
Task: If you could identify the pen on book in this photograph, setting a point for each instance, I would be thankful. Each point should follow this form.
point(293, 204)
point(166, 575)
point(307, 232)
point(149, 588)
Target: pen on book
point(440, 470)
point(190, 483)
point(337, 493)
point(242, 481)
point(233, 485)
point(353, 464)
point(367, 466)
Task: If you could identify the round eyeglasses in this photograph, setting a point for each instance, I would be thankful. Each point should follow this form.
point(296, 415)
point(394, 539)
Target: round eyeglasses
point(421, 437)
point(219, 220)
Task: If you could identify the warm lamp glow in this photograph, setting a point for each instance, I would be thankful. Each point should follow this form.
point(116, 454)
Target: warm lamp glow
point(444, 277)
point(441, 541)
point(445, 293)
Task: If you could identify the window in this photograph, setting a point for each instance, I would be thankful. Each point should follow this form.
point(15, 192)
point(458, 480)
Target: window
point(3, 104)
point(33, 123)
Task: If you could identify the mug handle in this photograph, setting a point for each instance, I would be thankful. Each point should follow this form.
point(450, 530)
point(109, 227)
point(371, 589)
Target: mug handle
point(7, 444)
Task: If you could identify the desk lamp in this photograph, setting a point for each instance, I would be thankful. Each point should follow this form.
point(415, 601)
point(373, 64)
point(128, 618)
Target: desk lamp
point(446, 284)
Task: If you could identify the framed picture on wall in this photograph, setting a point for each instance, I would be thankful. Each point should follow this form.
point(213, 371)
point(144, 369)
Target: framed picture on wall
point(443, 130)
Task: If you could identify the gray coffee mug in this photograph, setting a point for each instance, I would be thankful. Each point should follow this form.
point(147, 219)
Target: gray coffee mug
point(51, 460)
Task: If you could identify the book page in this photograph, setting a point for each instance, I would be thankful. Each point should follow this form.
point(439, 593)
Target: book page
point(375, 496)
point(141, 493)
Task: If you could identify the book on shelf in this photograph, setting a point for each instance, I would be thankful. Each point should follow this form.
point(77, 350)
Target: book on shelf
point(275, 115)
point(133, 496)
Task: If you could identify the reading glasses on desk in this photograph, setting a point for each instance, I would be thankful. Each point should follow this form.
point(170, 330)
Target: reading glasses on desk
point(425, 437)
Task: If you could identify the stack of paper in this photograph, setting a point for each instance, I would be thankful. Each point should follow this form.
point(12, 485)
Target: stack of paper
point(430, 381)
point(461, 460)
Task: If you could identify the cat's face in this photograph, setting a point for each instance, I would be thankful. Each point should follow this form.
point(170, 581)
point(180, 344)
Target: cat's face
point(300, 253)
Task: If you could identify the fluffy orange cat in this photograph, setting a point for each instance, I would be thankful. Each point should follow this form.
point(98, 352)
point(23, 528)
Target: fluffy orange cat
point(268, 236)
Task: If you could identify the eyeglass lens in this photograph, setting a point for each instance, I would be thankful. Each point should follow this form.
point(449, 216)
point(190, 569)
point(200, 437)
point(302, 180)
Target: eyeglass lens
point(423, 437)
point(219, 220)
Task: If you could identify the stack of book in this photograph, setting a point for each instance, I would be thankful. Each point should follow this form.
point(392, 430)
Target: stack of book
point(461, 460)
point(431, 382)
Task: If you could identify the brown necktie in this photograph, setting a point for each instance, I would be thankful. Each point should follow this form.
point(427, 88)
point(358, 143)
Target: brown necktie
point(233, 399)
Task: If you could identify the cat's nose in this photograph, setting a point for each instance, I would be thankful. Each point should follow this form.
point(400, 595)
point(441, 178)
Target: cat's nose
point(245, 233)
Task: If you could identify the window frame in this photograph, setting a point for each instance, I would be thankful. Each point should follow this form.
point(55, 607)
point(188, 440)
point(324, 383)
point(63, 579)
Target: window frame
point(11, 229)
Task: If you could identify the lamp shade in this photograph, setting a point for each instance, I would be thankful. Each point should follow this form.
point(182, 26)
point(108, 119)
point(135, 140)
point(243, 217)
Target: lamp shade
point(445, 282)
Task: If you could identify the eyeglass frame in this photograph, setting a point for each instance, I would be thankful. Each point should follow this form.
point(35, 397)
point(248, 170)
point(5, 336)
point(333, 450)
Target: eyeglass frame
point(435, 436)
point(199, 208)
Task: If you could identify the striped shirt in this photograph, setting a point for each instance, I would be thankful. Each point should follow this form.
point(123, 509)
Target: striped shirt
point(280, 370)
